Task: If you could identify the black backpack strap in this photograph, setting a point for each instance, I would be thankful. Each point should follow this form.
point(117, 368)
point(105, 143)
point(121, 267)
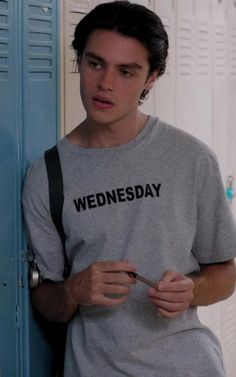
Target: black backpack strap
point(56, 195)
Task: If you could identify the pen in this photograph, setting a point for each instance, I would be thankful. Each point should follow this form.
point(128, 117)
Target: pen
point(142, 279)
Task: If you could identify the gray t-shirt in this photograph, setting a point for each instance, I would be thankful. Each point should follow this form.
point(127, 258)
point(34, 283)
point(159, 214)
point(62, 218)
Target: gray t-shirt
point(159, 202)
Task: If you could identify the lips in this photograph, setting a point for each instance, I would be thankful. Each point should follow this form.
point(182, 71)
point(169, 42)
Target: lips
point(102, 102)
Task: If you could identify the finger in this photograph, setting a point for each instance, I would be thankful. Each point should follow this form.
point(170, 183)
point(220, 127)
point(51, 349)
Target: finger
point(172, 297)
point(102, 300)
point(171, 306)
point(167, 279)
point(110, 302)
point(167, 314)
point(172, 276)
point(116, 289)
point(169, 276)
point(175, 286)
point(118, 278)
point(103, 292)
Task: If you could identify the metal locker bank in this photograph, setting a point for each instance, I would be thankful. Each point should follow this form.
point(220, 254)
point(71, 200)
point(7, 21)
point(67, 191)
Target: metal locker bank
point(28, 125)
point(40, 103)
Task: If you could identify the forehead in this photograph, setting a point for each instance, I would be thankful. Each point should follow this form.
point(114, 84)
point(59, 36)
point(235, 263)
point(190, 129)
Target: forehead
point(116, 48)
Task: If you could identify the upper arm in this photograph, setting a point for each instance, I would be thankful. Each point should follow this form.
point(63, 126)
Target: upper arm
point(215, 237)
point(41, 232)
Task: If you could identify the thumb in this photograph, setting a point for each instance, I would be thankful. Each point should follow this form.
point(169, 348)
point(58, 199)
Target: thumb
point(170, 276)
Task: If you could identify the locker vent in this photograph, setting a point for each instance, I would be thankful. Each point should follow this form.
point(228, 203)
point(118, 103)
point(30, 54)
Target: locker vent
point(185, 48)
point(40, 40)
point(4, 49)
point(232, 53)
point(220, 51)
point(74, 18)
point(203, 49)
point(80, 6)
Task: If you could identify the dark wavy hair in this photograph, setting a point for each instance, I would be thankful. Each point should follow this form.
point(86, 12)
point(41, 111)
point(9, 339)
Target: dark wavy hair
point(130, 20)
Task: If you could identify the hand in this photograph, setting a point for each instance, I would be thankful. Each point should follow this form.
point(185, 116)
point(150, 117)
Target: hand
point(173, 294)
point(96, 284)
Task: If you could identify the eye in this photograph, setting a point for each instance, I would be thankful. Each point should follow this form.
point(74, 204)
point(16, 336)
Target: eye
point(126, 73)
point(94, 64)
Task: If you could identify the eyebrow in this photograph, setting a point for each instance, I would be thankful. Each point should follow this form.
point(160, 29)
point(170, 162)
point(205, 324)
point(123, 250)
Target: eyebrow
point(134, 66)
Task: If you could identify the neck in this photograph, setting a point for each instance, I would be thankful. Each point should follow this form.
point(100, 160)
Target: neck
point(90, 134)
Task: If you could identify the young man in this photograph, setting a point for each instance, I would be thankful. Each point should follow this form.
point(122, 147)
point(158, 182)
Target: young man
point(139, 196)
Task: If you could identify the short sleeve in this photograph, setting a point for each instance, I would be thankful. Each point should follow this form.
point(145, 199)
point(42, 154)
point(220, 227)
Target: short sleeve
point(41, 232)
point(215, 238)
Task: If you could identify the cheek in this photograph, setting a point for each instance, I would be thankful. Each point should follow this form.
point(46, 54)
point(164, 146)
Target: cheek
point(84, 81)
point(133, 94)
point(86, 85)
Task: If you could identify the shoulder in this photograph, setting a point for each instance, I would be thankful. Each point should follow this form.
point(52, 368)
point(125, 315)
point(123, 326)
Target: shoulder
point(35, 183)
point(182, 139)
point(36, 173)
point(186, 146)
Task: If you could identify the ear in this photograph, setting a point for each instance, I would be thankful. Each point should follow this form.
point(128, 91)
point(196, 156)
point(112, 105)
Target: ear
point(151, 80)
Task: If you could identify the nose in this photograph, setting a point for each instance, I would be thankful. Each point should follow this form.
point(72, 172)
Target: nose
point(106, 80)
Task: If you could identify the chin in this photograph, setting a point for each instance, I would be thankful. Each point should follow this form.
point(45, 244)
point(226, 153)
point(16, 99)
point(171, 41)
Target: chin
point(101, 118)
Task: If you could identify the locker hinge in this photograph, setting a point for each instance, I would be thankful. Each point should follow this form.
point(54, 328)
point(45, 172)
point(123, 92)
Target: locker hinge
point(17, 316)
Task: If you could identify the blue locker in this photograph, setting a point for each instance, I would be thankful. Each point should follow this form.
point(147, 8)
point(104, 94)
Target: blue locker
point(29, 124)
point(9, 199)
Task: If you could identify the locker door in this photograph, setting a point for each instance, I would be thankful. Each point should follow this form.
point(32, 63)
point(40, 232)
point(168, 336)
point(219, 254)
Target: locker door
point(203, 71)
point(211, 315)
point(193, 90)
point(219, 92)
point(228, 334)
point(40, 131)
point(185, 64)
point(72, 108)
point(164, 91)
point(231, 100)
point(148, 106)
point(28, 125)
point(9, 194)
point(229, 307)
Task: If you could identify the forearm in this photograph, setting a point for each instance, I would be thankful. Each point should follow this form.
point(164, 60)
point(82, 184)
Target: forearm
point(213, 283)
point(52, 300)
point(58, 301)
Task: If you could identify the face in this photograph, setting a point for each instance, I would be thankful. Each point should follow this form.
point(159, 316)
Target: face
point(114, 72)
